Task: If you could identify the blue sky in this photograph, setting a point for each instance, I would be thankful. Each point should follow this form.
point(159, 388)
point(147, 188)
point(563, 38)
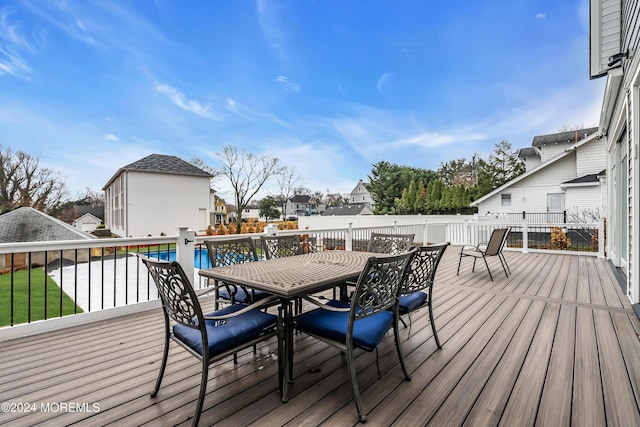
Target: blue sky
point(328, 86)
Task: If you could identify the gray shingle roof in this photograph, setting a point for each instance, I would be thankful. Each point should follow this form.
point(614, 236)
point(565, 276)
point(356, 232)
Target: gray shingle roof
point(350, 209)
point(524, 153)
point(164, 163)
point(30, 225)
point(570, 136)
point(161, 163)
point(586, 178)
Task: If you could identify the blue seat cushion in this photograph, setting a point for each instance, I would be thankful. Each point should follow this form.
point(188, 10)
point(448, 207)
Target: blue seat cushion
point(411, 301)
point(367, 332)
point(241, 296)
point(228, 333)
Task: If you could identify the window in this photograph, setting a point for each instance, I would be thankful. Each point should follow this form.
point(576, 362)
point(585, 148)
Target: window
point(555, 202)
point(505, 200)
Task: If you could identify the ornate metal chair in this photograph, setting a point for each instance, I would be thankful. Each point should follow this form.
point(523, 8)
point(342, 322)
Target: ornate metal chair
point(229, 251)
point(208, 337)
point(417, 288)
point(281, 246)
point(363, 322)
point(382, 243)
point(389, 243)
point(494, 247)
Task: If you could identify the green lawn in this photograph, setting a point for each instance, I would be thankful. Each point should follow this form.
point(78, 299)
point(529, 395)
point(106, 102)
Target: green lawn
point(21, 298)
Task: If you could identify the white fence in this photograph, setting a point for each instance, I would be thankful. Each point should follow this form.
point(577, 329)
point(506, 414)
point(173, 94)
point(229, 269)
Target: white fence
point(104, 277)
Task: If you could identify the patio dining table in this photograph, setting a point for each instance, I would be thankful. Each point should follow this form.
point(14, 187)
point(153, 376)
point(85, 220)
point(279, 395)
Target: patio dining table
point(289, 278)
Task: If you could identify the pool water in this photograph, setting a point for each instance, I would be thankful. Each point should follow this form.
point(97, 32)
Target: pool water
point(200, 260)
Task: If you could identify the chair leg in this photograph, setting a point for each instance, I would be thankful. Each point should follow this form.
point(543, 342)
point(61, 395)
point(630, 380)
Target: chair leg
point(505, 266)
point(203, 392)
point(165, 356)
point(354, 384)
point(487, 264)
point(396, 333)
point(409, 333)
point(459, 262)
point(433, 325)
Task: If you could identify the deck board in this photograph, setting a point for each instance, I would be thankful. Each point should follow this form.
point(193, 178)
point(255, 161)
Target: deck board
point(555, 343)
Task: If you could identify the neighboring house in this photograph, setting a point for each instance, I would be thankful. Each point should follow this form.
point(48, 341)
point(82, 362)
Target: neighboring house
point(360, 194)
point(251, 213)
point(614, 44)
point(218, 208)
point(349, 209)
point(27, 224)
point(87, 222)
point(303, 205)
point(156, 195)
point(565, 172)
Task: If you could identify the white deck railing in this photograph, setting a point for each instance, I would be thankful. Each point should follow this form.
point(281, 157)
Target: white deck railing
point(104, 277)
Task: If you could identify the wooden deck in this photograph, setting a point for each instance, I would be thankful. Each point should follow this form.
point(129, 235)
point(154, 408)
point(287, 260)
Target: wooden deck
point(555, 344)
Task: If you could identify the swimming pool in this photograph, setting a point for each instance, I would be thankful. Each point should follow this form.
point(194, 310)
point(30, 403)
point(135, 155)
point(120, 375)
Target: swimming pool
point(200, 259)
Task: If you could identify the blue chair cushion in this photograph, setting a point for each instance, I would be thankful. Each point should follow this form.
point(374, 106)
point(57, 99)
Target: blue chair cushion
point(228, 333)
point(367, 332)
point(241, 296)
point(411, 301)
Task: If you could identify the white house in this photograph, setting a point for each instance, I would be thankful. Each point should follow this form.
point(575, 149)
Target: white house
point(87, 222)
point(303, 205)
point(614, 43)
point(565, 172)
point(360, 195)
point(156, 195)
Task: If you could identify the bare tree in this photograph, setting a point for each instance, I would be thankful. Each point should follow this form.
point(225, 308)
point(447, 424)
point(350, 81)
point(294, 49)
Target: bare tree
point(247, 174)
point(287, 178)
point(198, 162)
point(23, 182)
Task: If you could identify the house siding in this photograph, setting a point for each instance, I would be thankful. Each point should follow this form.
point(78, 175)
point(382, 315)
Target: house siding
point(530, 194)
point(605, 34)
point(591, 158)
point(620, 125)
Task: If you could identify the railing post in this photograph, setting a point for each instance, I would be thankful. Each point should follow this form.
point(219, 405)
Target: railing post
point(601, 235)
point(348, 237)
point(185, 251)
point(395, 226)
point(525, 237)
point(425, 237)
point(271, 230)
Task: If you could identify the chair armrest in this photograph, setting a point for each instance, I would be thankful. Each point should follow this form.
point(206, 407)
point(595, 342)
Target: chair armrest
point(259, 304)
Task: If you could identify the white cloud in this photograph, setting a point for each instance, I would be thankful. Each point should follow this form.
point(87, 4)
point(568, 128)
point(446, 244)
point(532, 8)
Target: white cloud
point(12, 42)
point(193, 106)
point(111, 137)
point(383, 82)
point(541, 15)
point(287, 84)
point(271, 26)
point(433, 139)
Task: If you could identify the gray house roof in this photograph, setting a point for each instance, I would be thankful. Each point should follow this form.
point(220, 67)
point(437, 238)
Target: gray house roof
point(30, 225)
point(586, 179)
point(161, 163)
point(571, 136)
point(527, 152)
point(350, 209)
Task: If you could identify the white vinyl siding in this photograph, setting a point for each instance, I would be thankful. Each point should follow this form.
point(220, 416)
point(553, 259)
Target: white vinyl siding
point(605, 38)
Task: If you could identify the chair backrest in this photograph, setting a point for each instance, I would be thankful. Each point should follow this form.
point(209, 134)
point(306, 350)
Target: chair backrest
point(378, 287)
point(281, 246)
point(389, 243)
point(497, 241)
point(422, 271)
point(179, 300)
point(233, 250)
